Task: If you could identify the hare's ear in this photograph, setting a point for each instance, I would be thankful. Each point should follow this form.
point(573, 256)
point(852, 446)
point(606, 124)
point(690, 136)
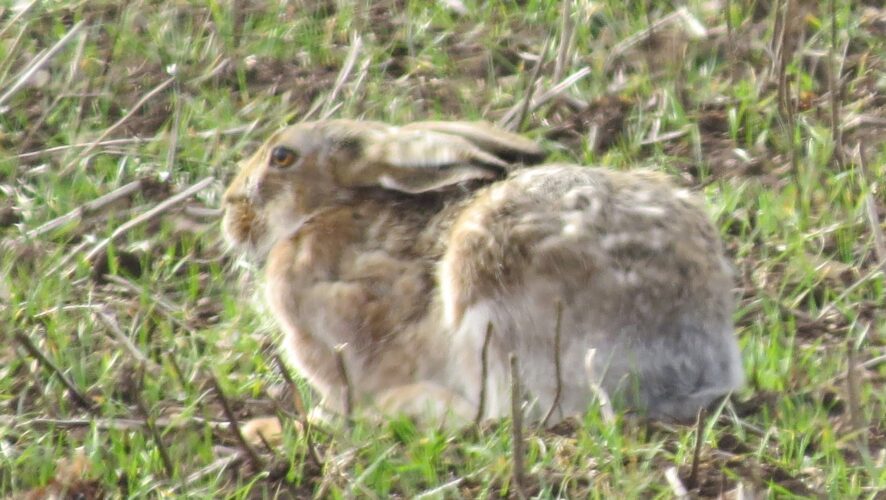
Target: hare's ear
point(420, 160)
point(510, 147)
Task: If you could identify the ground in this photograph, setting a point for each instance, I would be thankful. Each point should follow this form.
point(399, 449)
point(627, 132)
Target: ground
point(127, 326)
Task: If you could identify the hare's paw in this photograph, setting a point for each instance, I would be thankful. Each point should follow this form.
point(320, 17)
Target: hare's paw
point(258, 431)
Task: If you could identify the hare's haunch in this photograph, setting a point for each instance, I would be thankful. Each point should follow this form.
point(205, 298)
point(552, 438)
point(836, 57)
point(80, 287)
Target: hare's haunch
point(405, 244)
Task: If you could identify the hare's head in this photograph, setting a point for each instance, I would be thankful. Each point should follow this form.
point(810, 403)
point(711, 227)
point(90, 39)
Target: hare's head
point(313, 165)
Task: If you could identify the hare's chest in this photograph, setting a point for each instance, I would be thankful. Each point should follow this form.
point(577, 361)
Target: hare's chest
point(346, 281)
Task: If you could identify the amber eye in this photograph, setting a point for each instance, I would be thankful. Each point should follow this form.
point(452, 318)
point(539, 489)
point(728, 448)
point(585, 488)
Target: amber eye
point(283, 157)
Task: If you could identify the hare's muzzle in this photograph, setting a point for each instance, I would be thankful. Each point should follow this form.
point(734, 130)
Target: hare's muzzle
point(240, 223)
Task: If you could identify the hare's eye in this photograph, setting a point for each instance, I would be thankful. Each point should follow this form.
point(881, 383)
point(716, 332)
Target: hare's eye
point(283, 157)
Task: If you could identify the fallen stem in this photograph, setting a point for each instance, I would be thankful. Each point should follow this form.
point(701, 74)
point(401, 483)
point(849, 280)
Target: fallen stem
point(235, 426)
point(34, 351)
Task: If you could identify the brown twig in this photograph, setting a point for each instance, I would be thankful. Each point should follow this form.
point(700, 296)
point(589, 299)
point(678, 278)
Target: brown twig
point(557, 369)
point(302, 411)
point(26, 75)
point(696, 453)
point(235, 426)
point(517, 427)
point(110, 130)
point(348, 393)
point(75, 393)
point(264, 441)
point(312, 448)
point(177, 370)
point(114, 424)
point(484, 374)
point(297, 400)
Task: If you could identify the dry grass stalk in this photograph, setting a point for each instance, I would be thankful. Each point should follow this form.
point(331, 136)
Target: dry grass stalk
point(677, 487)
point(783, 50)
point(517, 451)
point(530, 88)
point(329, 107)
point(699, 439)
point(557, 367)
point(109, 142)
point(14, 21)
point(172, 147)
point(606, 411)
point(348, 391)
point(567, 30)
point(89, 207)
point(856, 417)
point(852, 388)
point(545, 97)
point(834, 87)
point(152, 429)
point(216, 467)
point(438, 492)
point(871, 209)
point(830, 306)
point(26, 75)
point(484, 374)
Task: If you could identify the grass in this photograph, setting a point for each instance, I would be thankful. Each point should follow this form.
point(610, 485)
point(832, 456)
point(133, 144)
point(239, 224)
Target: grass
point(809, 274)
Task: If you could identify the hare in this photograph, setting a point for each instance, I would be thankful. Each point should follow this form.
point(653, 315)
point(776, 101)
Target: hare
point(404, 247)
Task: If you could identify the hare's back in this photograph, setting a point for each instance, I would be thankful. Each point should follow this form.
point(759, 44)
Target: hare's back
point(601, 239)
